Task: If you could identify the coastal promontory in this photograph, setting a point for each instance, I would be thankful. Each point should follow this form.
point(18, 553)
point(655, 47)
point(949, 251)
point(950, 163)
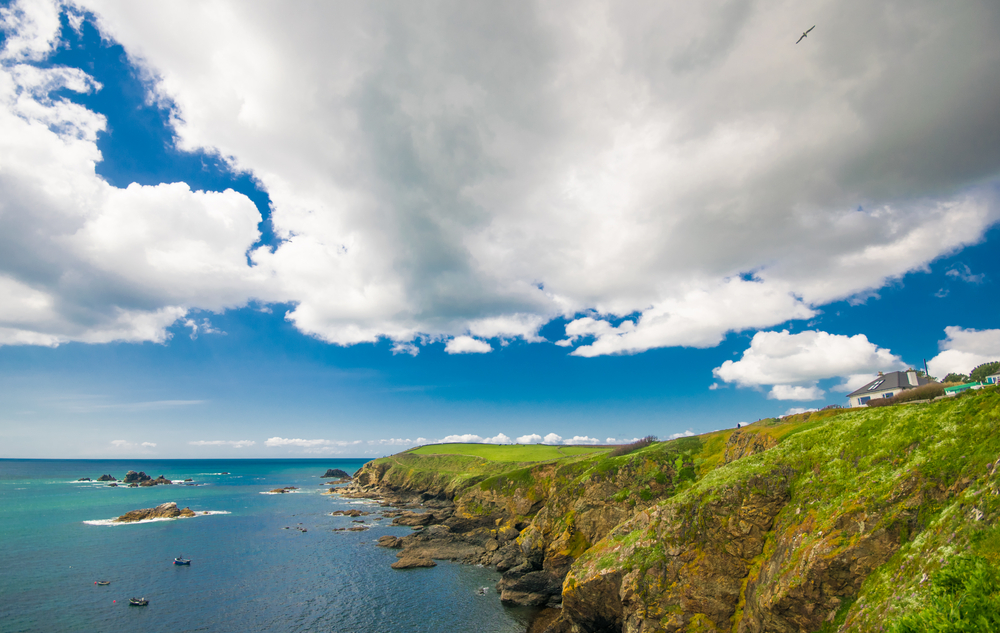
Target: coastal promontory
point(836, 520)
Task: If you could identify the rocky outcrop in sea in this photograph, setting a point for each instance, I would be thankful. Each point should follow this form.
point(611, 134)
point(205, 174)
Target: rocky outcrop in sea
point(167, 510)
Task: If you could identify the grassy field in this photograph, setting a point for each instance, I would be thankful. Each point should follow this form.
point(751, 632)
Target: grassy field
point(520, 453)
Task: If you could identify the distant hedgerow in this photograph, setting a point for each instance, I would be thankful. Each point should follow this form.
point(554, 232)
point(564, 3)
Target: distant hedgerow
point(625, 449)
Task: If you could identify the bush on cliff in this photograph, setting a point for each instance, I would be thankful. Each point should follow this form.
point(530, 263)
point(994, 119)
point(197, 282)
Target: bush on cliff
point(964, 598)
point(625, 449)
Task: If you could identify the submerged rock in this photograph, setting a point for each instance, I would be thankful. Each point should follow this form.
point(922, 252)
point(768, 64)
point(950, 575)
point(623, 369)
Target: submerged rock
point(84, 479)
point(281, 491)
point(167, 510)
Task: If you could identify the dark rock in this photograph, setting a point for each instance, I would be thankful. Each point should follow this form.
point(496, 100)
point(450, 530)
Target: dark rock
point(414, 519)
point(410, 562)
point(281, 491)
point(336, 473)
point(161, 480)
point(133, 485)
point(349, 513)
point(533, 589)
point(112, 485)
point(167, 510)
point(189, 479)
point(84, 479)
point(106, 478)
point(132, 477)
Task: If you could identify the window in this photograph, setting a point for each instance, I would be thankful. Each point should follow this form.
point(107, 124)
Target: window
point(887, 395)
point(864, 400)
point(876, 384)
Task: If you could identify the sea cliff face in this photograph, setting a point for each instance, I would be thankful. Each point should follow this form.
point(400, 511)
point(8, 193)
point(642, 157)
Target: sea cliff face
point(831, 521)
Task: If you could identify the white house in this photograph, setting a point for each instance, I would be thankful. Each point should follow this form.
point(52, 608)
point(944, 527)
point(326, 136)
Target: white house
point(992, 380)
point(886, 386)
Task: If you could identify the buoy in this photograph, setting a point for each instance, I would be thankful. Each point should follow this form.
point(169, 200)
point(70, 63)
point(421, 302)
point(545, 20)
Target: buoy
point(113, 601)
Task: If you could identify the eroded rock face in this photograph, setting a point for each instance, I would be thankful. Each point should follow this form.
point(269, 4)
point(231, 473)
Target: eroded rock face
point(167, 510)
point(745, 442)
point(686, 571)
point(409, 562)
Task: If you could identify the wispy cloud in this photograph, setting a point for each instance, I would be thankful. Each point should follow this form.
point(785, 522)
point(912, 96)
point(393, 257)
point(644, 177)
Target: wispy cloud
point(133, 447)
point(963, 273)
point(232, 443)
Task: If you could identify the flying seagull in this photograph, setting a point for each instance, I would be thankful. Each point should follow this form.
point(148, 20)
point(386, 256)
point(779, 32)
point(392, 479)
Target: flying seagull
point(804, 34)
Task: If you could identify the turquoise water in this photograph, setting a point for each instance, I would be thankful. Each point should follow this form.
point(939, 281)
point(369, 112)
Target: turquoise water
point(247, 572)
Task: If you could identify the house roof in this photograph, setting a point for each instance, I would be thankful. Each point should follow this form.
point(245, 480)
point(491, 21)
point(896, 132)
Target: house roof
point(891, 380)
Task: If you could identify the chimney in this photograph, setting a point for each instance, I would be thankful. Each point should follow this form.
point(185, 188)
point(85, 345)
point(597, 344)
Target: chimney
point(911, 377)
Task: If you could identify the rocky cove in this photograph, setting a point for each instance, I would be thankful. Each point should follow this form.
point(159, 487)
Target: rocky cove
point(824, 521)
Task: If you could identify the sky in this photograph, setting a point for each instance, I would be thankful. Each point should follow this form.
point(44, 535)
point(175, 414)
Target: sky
point(257, 229)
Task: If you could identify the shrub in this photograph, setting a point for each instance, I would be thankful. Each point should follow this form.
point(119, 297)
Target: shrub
point(923, 392)
point(980, 373)
point(960, 379)
point(964, 598)
point(625, 449)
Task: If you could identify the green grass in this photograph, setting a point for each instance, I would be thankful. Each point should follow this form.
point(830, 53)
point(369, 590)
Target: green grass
point(517, 453)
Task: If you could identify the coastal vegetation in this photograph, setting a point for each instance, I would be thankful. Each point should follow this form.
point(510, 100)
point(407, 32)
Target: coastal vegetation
point(835, 520)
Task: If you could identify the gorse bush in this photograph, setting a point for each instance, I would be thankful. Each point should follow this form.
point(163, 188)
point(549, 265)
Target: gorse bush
point(625, 449)
point(964, 598)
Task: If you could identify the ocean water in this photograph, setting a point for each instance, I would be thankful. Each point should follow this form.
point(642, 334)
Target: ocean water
point(248, 573)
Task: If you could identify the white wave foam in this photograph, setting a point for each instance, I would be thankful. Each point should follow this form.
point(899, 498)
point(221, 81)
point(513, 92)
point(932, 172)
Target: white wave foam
point(113, 522)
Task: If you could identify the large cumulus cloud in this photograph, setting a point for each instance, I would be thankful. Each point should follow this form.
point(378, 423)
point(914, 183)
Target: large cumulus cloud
point(456, 170)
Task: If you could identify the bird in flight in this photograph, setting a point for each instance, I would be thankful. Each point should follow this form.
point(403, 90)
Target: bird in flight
point(804, 34)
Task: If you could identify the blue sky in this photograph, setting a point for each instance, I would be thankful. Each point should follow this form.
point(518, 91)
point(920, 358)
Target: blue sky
point(344, 230)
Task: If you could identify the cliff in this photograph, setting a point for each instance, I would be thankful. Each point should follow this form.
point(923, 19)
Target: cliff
point(831, 521)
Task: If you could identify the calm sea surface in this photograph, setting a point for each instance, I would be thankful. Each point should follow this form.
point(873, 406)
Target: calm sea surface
point(247, 572)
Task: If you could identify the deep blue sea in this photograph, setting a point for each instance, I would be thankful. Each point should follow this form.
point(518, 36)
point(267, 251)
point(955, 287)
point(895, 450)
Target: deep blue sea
point(247, 572)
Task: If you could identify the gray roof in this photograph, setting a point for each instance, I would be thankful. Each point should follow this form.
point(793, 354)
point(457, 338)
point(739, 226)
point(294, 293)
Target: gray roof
point(891, 380)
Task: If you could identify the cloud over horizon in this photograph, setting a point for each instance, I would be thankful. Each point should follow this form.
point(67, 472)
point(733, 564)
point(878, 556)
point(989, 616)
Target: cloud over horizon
point(658, 175)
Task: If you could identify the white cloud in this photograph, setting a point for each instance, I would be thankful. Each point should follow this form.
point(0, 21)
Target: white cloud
point(963, 350)
point(467, 345)
point(230, 443)
point(581, 439)
point(793, 363)
point(312, 446)
point(395, 441)
point(534, 438)
point(687, 433)
point(795, 392)
point(797, 410)
point(470, 438)
point(552, 438)
point(964, 273)
point(439, 173)
point(132, 447)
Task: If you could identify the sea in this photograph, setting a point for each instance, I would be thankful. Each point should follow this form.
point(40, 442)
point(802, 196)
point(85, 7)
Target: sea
point(259, 561)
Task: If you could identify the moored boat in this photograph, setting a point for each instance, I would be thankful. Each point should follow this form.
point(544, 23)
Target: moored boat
point(137, 602)
point(102, 583)
point(180, 560)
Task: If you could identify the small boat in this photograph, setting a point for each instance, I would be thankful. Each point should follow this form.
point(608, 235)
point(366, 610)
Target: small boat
point(180, 560)
point(102, 583)
point(137, 602)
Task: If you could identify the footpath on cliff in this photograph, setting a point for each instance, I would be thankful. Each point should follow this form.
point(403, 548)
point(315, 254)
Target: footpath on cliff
point(837, 520)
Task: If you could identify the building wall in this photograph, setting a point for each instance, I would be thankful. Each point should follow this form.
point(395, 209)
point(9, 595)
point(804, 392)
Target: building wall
point(860, 401)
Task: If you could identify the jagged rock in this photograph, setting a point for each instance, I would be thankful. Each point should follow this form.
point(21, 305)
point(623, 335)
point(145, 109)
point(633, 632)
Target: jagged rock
point(746, 442)
point(389, 541)
point(167, 510)
point(161, 480)
point(414, 519)
point(336, 473)
point(112, 485)
point(533, 589)
point(84, 479)
point(132, 477)
point(349, 513)
point(106, 478)
point(410, 562)
point(281, 491)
